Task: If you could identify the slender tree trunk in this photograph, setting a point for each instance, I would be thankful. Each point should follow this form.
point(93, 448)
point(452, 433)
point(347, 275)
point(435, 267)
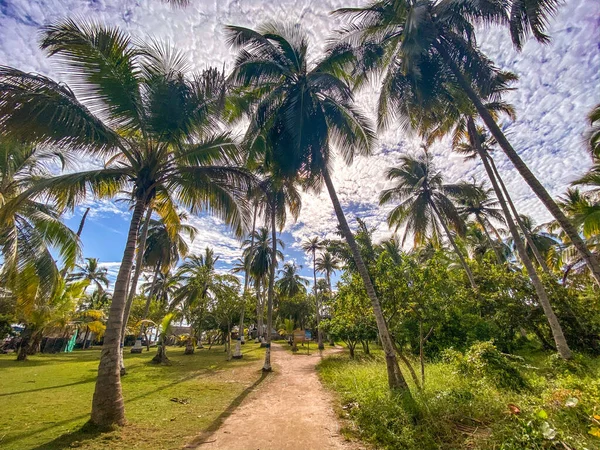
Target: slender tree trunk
point(107, 404)
point(540, 259)
point(557, 333)
point(267, 366)
point(590, 259)
point(421, 355)
point(237, 354)
point(82, 222)
point(319, 334)
point(85, 337)
point(396, 379)
point(462, 259)
point(259, 311)
point(26, 340)
point(132, 288)
point(490, 241)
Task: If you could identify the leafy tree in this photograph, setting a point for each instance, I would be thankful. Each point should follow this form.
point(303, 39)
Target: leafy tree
point(157, 124)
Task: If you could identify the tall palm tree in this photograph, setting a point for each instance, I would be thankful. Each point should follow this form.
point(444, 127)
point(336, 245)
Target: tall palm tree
point(312, 246)
point(425, 47)
point(92, 272)
point(158, 126)
point(309, 107)
point(479, 204)
point(425, 203)
point(290, 283)
point(543, 241)
point(328, 263)
point(557, 333)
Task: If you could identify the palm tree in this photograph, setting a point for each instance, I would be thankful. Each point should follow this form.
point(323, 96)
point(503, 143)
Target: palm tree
point(542, 241)
point(309, 107)
point(290, 283)
point(594, 133)
point(159, 127)
point(463, 146)
point(557, 333)
point(30, 230)
point(199, 283)
point(92, 272)
point(328, 263)
point(425, 203)
point(479, 204)
point(311, 246)
point(259, 256)
point(424, 48)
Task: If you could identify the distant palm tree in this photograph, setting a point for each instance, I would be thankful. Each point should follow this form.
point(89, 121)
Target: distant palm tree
point(159, 129)
point(312, 246)
point(425, 203)
point(290, 283)
point(425, 53)
point(479, 204)
point(260, 260)
point(328, 263)
point(309, 107)
point(594, 133)
point(92, 272)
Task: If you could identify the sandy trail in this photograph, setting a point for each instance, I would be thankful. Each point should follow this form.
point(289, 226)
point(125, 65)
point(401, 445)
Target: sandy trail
point(288, 410)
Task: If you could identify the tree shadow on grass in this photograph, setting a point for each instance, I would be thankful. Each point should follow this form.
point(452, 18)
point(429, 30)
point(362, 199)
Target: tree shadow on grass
point(27, 391)
point(216, 424)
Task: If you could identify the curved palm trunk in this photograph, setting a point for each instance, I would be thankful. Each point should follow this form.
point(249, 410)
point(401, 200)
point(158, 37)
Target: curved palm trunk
point(237, 354)
point(557, 333)
point(491, 242)
point(107, 404)
point(267, 366)
point(590, 259)
point(133, 284)
point(462, 259)
point(82, 222)
point(538, 256)
point(396, 379)
point(319, 334)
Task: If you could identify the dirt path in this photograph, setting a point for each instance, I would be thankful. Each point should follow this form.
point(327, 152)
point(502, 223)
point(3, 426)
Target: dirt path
point(290, 410)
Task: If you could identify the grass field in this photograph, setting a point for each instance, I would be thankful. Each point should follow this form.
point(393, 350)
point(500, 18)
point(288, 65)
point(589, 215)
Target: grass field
point(46, 401)
point(559, 409)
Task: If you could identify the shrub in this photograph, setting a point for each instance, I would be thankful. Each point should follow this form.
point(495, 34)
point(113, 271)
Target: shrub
point(483, 361)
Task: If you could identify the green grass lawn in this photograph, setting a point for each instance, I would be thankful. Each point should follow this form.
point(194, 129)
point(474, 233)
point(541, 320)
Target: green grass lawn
point(45, 401)
point(459, 412)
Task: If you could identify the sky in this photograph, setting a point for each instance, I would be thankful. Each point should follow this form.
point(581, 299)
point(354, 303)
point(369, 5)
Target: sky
point(558, 85)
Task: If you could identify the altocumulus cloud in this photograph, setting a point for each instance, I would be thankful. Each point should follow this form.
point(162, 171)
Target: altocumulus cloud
point(559, 83)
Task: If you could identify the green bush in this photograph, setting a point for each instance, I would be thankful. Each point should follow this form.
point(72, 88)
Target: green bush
point(483, 361)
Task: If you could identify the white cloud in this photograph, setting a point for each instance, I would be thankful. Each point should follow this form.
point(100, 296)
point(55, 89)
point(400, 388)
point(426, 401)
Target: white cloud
point(559, 83)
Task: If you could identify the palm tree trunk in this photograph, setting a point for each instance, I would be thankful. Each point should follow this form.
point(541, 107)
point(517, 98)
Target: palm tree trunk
point(590, 259)
point(149, 300)
point(557, 333)
point(540, 259)
point(82, 222)
point(319, 334)
point(85, 337)
point(107, 404)
point(267, 366)
point(396, 379)
point(237, 354)
point(462, 259)
point(133, 283)
point(489, 238)
point(259, 311)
